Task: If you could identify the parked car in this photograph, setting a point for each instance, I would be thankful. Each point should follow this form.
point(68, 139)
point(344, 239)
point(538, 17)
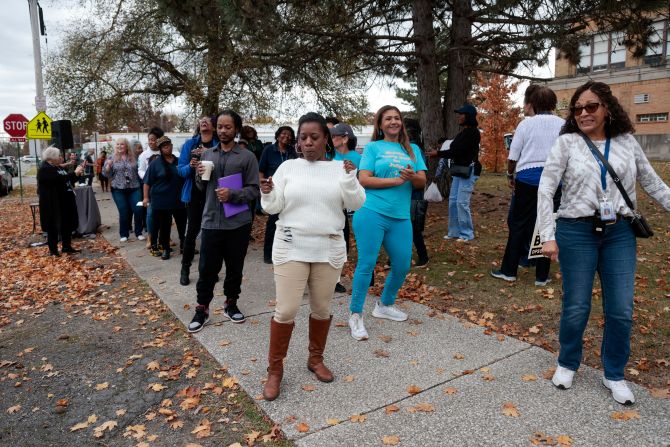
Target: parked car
point(29, 159)
point(10, 165)
point(5, 181)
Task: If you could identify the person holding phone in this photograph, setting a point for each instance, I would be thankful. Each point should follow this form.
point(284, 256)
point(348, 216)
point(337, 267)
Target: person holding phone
point(193, 197)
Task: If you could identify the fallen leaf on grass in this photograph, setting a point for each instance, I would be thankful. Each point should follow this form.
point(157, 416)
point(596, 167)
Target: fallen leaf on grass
point(14, 409)
point(230, 382)
point(662, 393)
point(413, 389)
point(189, 403)
point(252, 437)
point(625, 415)
point(450, 390)
point(633, 372)
point(509, 409)
point(176, 425)
point(99, 431)
point(302, 427)
point(102, 386)
point(390, 440)
point(79, 426)
point(152, 366)
point(157, 387)
point(121, 412)
point(203, 429)
point(392, 409)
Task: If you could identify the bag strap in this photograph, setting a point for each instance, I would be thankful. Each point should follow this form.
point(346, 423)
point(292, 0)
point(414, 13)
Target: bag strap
point(615, 177)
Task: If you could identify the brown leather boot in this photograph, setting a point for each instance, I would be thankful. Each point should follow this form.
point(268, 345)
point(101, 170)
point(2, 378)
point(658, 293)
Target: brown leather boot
point(318, 334)
point(280, 336)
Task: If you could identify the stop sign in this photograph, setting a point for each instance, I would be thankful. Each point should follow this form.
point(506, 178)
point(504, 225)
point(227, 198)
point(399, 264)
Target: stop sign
point(15, 125)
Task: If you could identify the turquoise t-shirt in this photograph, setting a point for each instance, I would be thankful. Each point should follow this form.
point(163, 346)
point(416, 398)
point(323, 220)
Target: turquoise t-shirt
point(385, 160)
point(353, 156)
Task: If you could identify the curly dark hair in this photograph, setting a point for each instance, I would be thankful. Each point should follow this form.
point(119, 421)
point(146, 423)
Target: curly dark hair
point(617, 123)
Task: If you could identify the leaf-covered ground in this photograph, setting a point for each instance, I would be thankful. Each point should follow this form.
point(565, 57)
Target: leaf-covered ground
point(90, 356)
point(457, 281)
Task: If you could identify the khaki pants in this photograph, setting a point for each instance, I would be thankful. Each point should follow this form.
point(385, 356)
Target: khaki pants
point(290, 280)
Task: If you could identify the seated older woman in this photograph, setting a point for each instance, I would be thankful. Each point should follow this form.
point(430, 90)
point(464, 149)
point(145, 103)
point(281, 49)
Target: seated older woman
point(58, 209)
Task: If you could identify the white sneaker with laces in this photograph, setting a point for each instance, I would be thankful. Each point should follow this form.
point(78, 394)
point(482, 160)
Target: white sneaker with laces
point(358, 331)
point(563, 377)
point(388, 312)
point(141, 237)
point(542, 283)
point(123, 239)
point(620, 391)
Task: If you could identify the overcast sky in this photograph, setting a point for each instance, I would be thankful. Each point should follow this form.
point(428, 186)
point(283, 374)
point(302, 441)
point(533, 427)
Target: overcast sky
point(17, 72)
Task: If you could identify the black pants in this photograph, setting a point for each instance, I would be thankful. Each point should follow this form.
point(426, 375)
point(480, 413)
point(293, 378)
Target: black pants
point(417, 237)
point(53, 234)
point(346, 231)
point(162, 227)
point(179, 215)
point(194, 212)
point(521, 223)
point(217, 247)
point(270, 228)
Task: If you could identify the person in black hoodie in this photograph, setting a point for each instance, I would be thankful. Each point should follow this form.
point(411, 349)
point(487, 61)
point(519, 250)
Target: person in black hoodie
point(58, 208)
point(463, 151)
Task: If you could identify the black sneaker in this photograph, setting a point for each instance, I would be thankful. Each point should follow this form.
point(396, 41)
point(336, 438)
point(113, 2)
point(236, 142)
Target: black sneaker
point(184, 280)
point(421, 263)
point(234, 313)
point(267, 259)
point(339, 288)
point(199, 320)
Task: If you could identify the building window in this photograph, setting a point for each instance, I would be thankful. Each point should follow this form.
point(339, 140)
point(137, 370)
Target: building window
point(652, 118)
point(654, 54)
point(642, 98)
point(601, 52)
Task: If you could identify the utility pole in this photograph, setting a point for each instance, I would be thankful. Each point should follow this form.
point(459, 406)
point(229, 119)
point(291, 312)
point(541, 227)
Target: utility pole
point(34, 9)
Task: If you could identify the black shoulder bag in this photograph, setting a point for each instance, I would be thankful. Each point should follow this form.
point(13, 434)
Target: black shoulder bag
point(640, 226)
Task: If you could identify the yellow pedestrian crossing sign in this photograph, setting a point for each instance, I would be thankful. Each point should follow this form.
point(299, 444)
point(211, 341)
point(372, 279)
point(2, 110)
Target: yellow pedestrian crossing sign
point(39, 128)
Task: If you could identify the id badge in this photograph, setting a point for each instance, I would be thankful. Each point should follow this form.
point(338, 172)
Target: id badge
point(607, 210)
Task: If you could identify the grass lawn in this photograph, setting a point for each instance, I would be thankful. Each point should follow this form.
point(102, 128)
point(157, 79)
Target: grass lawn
point(457, 281)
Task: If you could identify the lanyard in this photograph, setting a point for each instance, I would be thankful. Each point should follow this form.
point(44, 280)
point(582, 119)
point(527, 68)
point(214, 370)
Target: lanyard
point(603, 170)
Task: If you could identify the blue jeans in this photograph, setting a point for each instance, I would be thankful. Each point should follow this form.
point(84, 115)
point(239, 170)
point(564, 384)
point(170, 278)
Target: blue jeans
point(582, 253)
point(372, 230)
point(460, 219)
point(125, 200)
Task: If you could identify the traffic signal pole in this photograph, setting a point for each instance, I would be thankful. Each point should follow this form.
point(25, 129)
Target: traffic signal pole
point(33, 6)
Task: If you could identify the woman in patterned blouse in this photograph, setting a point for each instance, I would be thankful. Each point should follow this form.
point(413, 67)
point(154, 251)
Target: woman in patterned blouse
point(121, 169)
point(593, 232)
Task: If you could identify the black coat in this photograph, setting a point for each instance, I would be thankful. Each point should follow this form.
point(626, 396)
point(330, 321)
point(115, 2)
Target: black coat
point(58, 208)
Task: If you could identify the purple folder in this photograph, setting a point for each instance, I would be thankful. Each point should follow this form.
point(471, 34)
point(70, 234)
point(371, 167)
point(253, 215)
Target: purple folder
point(232, 182)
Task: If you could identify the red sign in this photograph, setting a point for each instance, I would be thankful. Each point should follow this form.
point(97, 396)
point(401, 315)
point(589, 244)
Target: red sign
point(15, 125)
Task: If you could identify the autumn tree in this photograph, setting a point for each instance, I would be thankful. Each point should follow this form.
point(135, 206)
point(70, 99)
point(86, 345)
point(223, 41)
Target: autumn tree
point(497, 115)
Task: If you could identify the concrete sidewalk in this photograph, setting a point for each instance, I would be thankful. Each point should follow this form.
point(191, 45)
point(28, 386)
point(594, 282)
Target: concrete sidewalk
point(459, 378)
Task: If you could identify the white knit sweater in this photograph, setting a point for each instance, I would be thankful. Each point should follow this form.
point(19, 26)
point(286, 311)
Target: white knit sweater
point(309, 198)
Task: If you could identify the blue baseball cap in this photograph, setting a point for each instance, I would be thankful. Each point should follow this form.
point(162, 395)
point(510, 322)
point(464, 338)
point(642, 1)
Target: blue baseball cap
point(467, 109)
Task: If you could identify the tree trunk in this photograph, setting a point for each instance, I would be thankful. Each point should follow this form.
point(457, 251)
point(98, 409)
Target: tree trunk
point(428, 82)
point(459, 64)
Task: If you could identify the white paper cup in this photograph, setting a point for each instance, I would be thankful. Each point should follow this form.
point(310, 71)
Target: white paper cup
point(208, 165)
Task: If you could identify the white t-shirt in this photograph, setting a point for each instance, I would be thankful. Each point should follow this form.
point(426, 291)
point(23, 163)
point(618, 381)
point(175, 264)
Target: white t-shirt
point(533, 140)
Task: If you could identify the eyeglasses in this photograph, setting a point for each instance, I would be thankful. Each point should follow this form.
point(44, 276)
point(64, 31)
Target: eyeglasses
point(590, 108)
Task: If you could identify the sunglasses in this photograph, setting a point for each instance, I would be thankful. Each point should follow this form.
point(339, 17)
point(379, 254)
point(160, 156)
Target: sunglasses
point(590, 108)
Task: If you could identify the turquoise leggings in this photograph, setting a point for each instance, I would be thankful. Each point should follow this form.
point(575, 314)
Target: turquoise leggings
point(372, 230)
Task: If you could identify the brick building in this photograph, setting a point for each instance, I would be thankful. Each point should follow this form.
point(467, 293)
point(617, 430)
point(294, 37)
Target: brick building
point(641, 85)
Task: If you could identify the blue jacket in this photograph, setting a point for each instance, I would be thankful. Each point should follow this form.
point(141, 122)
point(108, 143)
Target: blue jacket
point(184, 168)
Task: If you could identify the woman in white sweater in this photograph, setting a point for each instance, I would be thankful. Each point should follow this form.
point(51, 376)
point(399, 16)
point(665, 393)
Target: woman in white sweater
point(309, 195)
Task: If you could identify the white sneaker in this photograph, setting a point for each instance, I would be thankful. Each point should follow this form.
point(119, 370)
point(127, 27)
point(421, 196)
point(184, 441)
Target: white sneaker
point(358, 331)
point(620, 391)
point(447, 237)
point(563, 377)
point(388, 312)
point(542, 283)
point(141, 237)
point(123, 239)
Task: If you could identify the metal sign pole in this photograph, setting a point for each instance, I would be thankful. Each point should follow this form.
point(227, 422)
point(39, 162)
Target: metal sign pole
point(18, 157)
